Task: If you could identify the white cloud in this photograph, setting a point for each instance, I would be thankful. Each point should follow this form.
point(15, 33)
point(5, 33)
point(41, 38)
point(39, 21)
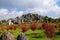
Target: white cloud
point(47, 7)
point(5, 13)
point(43, 7)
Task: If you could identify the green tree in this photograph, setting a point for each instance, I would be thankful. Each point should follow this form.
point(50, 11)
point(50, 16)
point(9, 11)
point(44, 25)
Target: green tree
point(4, 21)
point(45, 19)
point(58, 20)
point(50, 20)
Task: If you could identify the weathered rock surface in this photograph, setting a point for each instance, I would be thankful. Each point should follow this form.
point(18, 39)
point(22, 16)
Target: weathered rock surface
point(22, 37)
point(7, 36)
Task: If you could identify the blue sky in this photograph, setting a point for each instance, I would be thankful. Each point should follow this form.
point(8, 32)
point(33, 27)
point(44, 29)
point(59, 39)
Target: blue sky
point(13, 8)
point(58, 3)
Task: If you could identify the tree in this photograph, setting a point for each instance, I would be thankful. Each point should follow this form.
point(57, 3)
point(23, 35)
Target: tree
point(0, 23)
point(58, 20)
point(24, 29)
point(33, 27)
point(50, 20)
point(45, 19)
point(3, 21)
point(49, 30)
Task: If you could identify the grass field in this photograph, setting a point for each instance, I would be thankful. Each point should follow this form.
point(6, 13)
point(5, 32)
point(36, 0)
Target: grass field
point(36, 35)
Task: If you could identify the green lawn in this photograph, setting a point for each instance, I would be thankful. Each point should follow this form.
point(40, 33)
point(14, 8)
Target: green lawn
point(36, 35)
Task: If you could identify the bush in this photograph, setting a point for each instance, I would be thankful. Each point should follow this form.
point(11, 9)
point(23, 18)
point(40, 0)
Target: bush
point(0, 23)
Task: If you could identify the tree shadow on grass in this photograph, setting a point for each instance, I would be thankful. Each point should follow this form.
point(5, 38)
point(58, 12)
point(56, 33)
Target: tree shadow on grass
point(37, 35)
point(0, 37)
point(57, 33)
